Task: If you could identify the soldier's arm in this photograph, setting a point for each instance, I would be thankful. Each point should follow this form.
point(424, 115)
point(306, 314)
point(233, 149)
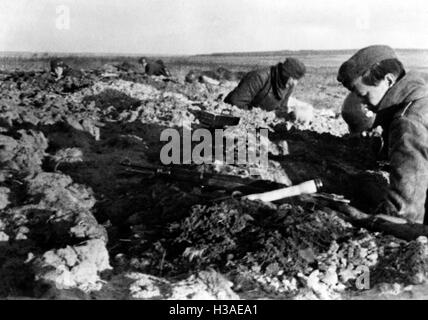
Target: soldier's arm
point(247, 89)
point(409, 169)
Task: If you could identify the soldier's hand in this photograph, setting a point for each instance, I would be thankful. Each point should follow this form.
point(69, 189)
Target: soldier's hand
point(375, 132)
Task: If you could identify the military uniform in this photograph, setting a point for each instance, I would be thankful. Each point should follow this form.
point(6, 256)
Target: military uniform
point(256, 90)
point(403, 115)
point(269, 88)
point(156, 68)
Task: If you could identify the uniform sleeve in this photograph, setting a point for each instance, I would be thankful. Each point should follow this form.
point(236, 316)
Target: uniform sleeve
point(409, 170)
point(247, 89)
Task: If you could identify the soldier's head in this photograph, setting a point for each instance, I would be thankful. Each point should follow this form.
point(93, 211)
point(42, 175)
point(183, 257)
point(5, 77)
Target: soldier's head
point(292, 70)
point(143, 61)
point(191, 76)
point(370, 73)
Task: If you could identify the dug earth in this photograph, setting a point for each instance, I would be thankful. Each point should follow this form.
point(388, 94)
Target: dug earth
point(75, 225)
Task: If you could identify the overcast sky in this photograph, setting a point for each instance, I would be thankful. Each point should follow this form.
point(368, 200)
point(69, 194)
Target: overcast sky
point(207, 26)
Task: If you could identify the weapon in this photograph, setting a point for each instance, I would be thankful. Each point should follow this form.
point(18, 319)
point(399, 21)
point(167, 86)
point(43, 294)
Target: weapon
point(267, 191)
point(206, 179)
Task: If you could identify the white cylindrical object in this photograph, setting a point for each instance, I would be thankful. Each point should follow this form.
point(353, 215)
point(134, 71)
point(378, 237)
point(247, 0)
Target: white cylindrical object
point(303, 188)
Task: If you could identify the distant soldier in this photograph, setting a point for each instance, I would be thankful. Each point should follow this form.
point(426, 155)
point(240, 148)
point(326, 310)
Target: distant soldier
point(59, 69)
point(192, 76)
point(269, 88)
point(154, 68)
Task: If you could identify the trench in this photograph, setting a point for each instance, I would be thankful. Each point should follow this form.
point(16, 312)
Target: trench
point(171, 228)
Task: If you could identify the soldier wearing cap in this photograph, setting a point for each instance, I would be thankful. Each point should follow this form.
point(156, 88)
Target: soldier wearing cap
point(154, 68)
point(400, 101)
point(268, 88)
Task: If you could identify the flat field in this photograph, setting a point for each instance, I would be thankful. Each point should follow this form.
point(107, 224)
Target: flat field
point(319, 87)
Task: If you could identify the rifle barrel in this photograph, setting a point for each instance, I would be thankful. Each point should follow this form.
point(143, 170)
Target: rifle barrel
point(217, 180)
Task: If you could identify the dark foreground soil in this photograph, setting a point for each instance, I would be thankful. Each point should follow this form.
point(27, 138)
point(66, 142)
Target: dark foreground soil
point(74, 224)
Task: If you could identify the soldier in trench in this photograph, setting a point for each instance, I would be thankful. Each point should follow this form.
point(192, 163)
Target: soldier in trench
point(400, 101)
point(59, 69)
point(154, 68)
point(270, 88)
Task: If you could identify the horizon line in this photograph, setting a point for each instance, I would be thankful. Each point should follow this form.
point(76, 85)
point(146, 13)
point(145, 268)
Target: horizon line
point(100, 53)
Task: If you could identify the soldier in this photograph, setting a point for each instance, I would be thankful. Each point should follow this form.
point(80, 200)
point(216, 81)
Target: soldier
point(400, 101)
point(58, 68)
point(269, 88)
point(154, 68)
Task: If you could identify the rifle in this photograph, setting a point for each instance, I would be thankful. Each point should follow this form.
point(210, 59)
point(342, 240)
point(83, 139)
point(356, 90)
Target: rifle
point(187, 173)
